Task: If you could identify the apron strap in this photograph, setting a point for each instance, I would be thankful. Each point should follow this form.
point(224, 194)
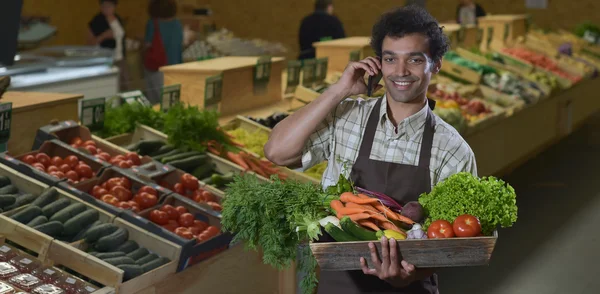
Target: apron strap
point(427, 142)
point(367, 142)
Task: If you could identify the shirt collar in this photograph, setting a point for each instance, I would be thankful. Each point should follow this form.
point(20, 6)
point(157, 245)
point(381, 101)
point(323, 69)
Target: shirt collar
point(409, 126)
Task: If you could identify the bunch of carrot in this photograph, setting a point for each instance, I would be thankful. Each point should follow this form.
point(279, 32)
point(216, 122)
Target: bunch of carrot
point(247, 161)
point(368, 212)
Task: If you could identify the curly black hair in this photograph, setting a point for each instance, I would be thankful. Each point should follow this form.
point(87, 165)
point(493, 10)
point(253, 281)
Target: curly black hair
point(408, 20)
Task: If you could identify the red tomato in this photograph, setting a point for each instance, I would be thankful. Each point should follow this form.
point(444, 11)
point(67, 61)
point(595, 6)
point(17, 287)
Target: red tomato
point(57, 160)
point(115, 161)
point(98, 150)
point(134, 206)
point(123, 164)
point(215, 206)
point(95, 189)
point(134, 158)
point(124, 205)
point(125, 182)
point(100, 192)
point(189, 182)
point(440, 229)
point(91, 149)
point(198, 197)
point(200, 225)
point(59, 174)
point(208, 196)
point(181, 209)
point(76, 141)
point(145, 200)
point(43, 158)
point(466, 225)
point(179, 189)
point(65, 168)
point(52, 168)
point(213, 230)
point(149, 190)
point(89, 143)
point(84, 170)
point(171, 211)
point(159, 217)
point(72, 175)
point(71, 160)
point(110, 199)
point(104, 156)
point(120, 157)
point(203, 237)
point(186, 220)
point(29, 159)
point(184, 233)
point(121, 193)
point(171, 227)
point(83, 179)
point(39, 165)
point(195, 231)
point(40, 169)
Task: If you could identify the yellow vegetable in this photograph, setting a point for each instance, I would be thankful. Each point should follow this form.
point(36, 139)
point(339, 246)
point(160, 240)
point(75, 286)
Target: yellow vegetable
point(253, 141)
point(393, 234)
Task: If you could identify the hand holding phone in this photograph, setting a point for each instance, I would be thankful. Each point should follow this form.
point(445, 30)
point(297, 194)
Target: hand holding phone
point(373, 81)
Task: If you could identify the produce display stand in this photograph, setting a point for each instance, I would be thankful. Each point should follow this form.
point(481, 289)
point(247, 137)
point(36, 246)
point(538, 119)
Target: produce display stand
point(505, 29)
point(341, 51)
point(238, 90)
point(32, 110)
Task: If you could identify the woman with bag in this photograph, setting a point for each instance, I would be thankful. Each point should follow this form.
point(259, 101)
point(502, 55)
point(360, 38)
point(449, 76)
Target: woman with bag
point(164, 45)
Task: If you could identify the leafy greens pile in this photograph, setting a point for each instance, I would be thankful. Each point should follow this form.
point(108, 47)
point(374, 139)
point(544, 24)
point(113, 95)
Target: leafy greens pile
point(492, 200)
point(123, 119)
point(276, 217)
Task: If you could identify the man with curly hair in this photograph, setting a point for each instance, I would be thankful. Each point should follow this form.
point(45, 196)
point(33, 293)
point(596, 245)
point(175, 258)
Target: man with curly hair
point(393, 145)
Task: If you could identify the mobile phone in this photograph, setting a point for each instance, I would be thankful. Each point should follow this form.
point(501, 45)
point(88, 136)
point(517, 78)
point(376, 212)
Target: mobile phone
point(373, 81)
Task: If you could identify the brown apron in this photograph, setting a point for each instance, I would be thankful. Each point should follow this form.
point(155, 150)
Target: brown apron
point(402, 182)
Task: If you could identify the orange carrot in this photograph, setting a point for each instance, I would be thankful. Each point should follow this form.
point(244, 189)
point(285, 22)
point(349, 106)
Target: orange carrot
point(336, 205)
point(253, 165)
point(365, 206)
point(378, 217)
point(349, 197)
point(358, 216)
point(369, 224)
point(350, 210)
point(392, 215)
point(391, 226)
point(237, 159)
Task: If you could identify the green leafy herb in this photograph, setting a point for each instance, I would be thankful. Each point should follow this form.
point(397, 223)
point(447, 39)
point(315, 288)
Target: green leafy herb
point(124, 118)
point(276, 217)
point(491, 200)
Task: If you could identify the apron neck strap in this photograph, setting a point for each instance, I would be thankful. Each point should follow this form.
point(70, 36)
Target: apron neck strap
point(369, 135)
point(427, 142)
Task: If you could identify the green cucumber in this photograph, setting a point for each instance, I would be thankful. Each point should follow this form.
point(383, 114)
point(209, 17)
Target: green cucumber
point(9, 189)
point(353, 229)
point(52, 228)
point(204, 170)
point(155, 264)
point(148, 146)
point(76, 224)
point(180, 156)
point(220, 181)
point(68, 212)
point(162, 150)
point(105, 255)
point(28, 214)
point(190, 163)
point(56, 206)
point(128, 247)
point(338, 234)
point(82, 233)
point(138, 253)
point(7, 200)
point(119, 260)
point(207, 180)
point(131, 271)
point(39, 220)
point(21, 200)
point(112, 241)
point(170, 153)
point(148, 258)
point(99, 231)
point(47, 197)
point(4, 181)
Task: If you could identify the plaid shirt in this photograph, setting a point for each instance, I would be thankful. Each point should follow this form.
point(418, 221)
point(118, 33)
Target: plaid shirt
point(337, 140)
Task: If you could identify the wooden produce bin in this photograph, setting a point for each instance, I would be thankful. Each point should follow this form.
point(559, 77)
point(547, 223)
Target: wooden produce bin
point(339, 51)
point(32, 110)
point(507, 28)
point(237, 76)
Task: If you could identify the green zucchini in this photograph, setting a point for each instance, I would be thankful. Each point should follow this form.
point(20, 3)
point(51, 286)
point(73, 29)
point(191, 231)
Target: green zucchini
point(97, 232)
point(76, 224)
point(39, 220)
point(138, 253)
point(353, 229)
point(56, 206)
point(105, 255)
point(4, 181)
point(162, 150)
point(204, 170)
point(7, 200)
point(148, 146)
point(119, 260)
point(221, 181)
point(131, 271)
point(148, 258)
point(47, 197)
point(52, 228)
point(21, 200)
point(82, 233)
point(207, 180)
point(189, 164)
point(155, 264)
point(338, 234)
point(28, 214)
point(180, 156)
point(9, 189)
point(128, 247)
point(112, 241)
point(170, 153)
point(68, 212)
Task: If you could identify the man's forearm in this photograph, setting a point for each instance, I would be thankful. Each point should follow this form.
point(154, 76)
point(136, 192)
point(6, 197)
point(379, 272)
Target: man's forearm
point(290, 135)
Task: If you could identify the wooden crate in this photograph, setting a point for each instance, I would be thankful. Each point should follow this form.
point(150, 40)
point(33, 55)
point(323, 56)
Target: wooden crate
point(32, 110)
point(425, 253)
point(507, 28)
point(237, 91)
point(461, 72)
point(338, 51)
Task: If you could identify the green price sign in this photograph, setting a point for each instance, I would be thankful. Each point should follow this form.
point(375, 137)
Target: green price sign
point(321, 69)
point(490, 36)
point(324, 39)
point(308, 72)
point(355, 55)
point(479, 35)
point(92, 113)
point(170, 96)
point(135, 97)
point(213, 89)
point(262, 74)
point(506, 31)
point(293, 75)
point(5, 123)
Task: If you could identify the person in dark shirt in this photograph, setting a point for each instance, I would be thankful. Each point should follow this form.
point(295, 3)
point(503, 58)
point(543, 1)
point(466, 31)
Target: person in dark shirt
point(317, 26)
point(468, 11)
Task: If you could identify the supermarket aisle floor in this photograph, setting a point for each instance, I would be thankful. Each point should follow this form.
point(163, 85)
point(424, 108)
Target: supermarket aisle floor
point(553, 248)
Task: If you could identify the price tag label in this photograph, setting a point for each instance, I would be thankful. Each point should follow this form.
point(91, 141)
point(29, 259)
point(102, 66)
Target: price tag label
point(308, 72)
point(293, 75)
point(321, 69)
point(328, 38)
point(135, 97)
point(490, 36)
point(212, 92)
point(262, 74)
point(92, 113)
point(479, 35)
point(590, 36)
point(506, 31)
point(5, 124)
point(170, 96)
point(355, 55)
